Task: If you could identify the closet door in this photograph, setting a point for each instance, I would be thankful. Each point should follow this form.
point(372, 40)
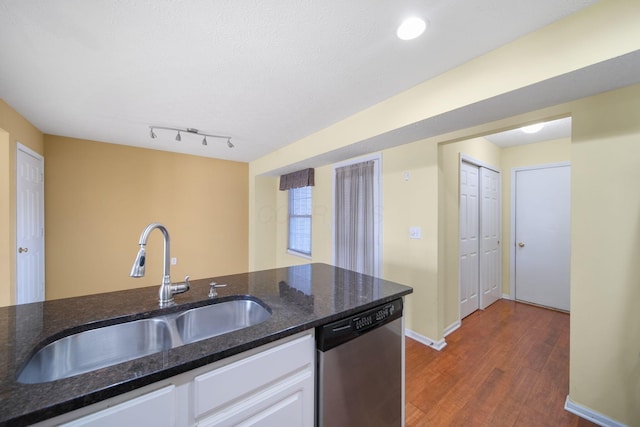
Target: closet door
point(480, 226)
point(490, 255)
point(469, 239)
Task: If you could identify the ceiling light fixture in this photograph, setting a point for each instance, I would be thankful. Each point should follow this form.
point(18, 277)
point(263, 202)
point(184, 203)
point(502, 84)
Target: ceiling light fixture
point(532, 128)
point(191, 131)
point(411, 28)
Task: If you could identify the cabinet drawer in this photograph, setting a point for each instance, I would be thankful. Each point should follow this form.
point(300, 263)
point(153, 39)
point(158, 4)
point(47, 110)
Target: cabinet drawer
point(153, 409)
point(288, 403)
point(226, 384)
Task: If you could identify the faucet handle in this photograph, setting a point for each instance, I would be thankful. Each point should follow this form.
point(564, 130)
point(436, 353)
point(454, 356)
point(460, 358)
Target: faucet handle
point(180, 288)
point(212, 289)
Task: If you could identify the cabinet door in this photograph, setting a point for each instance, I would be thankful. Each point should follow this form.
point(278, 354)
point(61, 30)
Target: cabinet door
point(153, 409)
point(289, 403)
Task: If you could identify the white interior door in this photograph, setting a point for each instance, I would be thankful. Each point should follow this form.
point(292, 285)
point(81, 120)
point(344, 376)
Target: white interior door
point(29, 226)
point(542, 236)
point(490, 255)
point(469, 241)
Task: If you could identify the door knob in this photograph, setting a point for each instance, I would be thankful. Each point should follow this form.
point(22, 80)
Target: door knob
point(21, 250)
point(521, 244)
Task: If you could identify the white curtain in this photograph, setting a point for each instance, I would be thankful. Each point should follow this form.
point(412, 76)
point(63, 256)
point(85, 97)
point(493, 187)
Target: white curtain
point(355, 218)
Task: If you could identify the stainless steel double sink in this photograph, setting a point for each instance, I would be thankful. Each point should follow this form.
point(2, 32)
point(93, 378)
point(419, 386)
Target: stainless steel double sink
point(109, 345)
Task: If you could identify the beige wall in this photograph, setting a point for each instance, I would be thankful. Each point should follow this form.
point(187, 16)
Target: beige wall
point(7, 231)
point(13, 129)
point(406, 204)
point(99, 197)
point(264, 217)
point(605, 255)
point(322, 224)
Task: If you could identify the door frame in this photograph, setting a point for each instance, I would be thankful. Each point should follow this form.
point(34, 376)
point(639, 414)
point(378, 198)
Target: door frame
point(377, 189)
point(28, 151)
point(512, 225)
point(480, 164)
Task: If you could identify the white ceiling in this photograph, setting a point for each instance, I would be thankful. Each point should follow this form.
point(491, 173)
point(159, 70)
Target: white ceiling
point(554, 129)
point(265, 73)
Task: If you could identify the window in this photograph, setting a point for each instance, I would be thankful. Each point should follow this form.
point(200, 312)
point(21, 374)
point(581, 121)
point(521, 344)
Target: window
point(300, 220)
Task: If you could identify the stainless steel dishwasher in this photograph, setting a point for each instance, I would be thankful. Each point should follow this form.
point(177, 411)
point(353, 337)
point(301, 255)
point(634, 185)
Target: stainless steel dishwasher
point(360, 369)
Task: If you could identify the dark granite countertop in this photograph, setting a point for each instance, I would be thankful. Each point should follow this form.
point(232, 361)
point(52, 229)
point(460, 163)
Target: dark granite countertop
point(301, 298)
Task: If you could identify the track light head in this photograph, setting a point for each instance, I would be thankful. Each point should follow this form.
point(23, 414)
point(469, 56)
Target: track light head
point(204, 141)
point(178, 137)
point(151, 133)
point(229, 144)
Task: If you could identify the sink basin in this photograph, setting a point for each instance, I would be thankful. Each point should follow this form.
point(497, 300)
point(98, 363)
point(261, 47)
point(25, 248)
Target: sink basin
point(109, 345)
point(96, 348)
point(211, 320)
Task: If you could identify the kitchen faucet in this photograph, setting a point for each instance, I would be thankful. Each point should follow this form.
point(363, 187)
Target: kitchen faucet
point(167, 289)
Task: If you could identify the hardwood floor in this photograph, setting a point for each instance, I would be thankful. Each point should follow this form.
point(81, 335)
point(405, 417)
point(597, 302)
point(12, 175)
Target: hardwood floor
point(506, 366)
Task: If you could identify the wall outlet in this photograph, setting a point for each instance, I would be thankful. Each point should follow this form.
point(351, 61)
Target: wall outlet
point(174, 260)
point(415, 232)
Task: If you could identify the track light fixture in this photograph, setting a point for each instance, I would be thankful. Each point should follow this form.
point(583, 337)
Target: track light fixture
point(191, 131)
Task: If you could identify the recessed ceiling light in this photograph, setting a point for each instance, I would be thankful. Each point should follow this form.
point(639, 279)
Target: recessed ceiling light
point(411, 28)
point(532, 128)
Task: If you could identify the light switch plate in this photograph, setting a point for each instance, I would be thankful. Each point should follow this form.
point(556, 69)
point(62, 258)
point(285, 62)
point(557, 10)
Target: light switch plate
point(415, 232)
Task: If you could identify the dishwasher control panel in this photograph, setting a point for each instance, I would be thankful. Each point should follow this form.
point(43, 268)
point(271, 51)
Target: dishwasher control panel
point(372, 317)
point(344, 330)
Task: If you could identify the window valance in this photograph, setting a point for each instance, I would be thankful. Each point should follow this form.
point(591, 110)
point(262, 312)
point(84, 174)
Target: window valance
point(302, 178)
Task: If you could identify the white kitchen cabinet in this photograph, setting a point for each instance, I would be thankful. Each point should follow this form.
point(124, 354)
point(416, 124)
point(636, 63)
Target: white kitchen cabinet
point(153, 409)
point(272, 385)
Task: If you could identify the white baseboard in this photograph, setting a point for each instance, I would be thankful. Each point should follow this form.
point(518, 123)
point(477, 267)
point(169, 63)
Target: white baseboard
point(590, 414)
point(436, 345)
point(452, 327)
point(506, 296)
